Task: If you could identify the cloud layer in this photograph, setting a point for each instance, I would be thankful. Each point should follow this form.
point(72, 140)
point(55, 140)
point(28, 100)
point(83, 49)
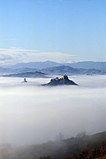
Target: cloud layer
point(31, 114)
point(15, 55)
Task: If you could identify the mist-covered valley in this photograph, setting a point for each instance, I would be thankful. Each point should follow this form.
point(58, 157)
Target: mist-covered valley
point(32, 114)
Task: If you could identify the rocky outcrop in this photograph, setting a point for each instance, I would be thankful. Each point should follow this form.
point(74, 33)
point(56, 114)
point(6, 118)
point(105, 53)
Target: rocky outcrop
point(63, 80)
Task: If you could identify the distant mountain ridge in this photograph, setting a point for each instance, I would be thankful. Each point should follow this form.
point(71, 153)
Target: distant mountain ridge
point(37, 65)
point(54, 68)
point(88, 65)
point(27, 74)
point(45, 64)
point(72, 71)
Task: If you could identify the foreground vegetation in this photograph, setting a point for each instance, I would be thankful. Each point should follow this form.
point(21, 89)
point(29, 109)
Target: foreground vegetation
point(80, 147)
point(104, 157)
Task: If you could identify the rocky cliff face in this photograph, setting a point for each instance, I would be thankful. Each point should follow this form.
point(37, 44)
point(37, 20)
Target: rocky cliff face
point(63, 80)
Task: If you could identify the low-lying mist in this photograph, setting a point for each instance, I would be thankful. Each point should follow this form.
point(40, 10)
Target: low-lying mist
point(31, 114)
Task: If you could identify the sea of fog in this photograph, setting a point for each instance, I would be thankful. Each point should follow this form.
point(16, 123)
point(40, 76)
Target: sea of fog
point(31, 113)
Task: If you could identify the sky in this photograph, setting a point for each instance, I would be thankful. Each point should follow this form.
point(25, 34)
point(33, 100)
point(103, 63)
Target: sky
point(75, 29)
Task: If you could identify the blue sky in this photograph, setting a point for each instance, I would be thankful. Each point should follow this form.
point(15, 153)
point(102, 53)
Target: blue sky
point(75, 27)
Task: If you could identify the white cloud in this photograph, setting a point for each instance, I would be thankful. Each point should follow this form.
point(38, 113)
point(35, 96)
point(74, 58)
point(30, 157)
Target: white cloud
point(16, 55)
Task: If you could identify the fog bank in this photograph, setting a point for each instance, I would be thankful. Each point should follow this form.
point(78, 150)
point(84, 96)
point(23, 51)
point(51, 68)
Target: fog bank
point(31, 114)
